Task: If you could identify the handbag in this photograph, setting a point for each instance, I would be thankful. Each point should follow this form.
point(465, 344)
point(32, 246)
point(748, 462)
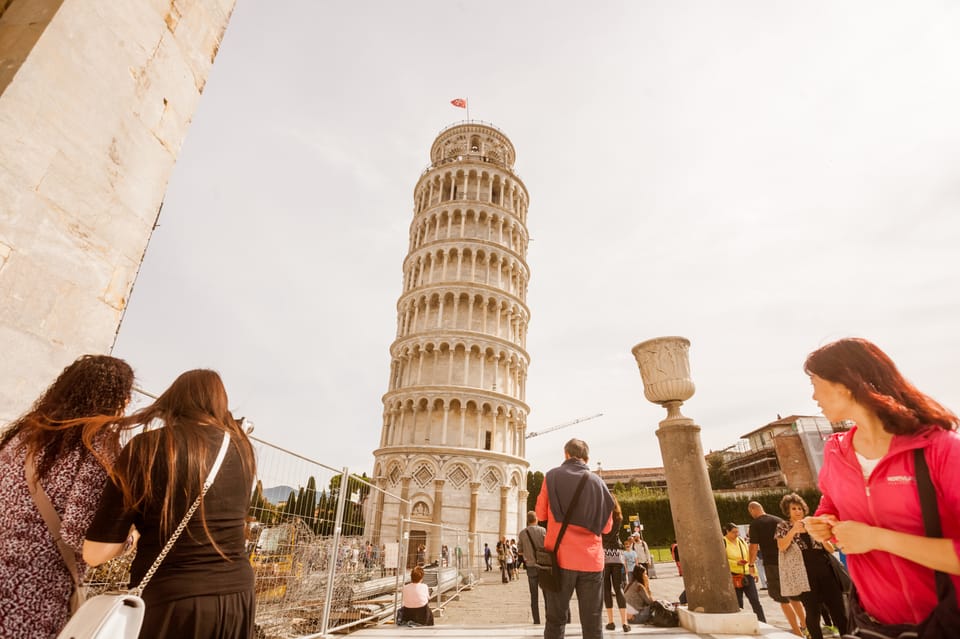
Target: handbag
point(943, 621)
point(663, 615)
point(548, 569)
point(737, 579)
point(119, 616)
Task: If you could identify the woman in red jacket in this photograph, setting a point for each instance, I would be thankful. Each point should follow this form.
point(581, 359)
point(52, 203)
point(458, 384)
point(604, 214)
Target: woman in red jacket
point(870, 506)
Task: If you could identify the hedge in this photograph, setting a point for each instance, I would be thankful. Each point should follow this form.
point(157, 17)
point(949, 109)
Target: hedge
point(653, 508)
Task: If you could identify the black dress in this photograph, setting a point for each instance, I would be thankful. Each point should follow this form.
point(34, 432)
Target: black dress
point(195, 592)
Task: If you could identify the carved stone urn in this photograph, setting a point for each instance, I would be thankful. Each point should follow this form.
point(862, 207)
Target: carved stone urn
point(665, 368)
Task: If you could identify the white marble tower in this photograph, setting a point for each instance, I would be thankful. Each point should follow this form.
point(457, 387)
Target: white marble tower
point(454, 417)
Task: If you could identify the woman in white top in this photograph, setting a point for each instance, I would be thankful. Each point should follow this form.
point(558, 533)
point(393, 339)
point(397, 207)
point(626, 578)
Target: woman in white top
point(415, 609)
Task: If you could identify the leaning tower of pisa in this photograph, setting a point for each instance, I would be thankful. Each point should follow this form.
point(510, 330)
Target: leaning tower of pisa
point(454, 417)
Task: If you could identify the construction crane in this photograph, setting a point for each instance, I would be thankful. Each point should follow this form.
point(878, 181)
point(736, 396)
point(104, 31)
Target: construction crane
point(534, 433)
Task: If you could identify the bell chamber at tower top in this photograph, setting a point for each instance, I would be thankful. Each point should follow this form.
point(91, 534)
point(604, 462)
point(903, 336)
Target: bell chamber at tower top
point(476, 140)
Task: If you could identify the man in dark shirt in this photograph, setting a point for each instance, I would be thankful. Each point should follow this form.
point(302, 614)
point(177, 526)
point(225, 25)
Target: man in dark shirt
point(761, 535)
point(580, 554)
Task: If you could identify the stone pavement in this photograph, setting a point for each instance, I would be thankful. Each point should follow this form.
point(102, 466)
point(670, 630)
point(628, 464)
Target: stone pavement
point(494, 610)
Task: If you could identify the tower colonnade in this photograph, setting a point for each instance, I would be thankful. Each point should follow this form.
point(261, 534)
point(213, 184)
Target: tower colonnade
point(454, 417)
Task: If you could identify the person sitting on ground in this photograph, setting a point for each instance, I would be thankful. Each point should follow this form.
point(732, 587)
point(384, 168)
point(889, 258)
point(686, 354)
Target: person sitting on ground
point(415, 608)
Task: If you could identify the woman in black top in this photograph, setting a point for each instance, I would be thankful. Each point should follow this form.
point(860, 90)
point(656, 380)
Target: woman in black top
point(614, 570)
point(204, 587)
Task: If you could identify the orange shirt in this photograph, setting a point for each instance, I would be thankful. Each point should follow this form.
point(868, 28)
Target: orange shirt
point(580, 549)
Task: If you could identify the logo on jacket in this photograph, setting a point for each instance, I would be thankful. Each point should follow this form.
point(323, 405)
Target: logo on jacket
point(900, 479)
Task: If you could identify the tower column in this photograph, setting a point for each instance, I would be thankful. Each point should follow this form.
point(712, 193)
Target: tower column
point(504, 494)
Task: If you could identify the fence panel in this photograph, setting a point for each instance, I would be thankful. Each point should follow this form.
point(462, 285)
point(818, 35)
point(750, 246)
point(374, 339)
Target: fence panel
point(451, 558)
point(315, 571)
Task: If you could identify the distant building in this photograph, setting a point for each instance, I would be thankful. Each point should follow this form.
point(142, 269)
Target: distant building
point(630, 477)
point(785, 452)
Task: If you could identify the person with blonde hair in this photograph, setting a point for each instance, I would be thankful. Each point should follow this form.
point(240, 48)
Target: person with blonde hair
point(69, 453)
point(204, 586)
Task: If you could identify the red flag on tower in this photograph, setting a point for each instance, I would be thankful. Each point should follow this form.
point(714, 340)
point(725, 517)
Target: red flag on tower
point(460, 103)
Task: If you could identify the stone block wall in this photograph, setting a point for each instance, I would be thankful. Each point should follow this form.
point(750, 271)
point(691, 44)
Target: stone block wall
point(95, 99)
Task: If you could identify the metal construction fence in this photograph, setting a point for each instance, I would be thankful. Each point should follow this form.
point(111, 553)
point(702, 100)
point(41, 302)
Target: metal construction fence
point(316, 572)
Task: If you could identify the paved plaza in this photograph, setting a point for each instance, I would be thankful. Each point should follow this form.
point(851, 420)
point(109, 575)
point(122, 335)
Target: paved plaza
point(495, 610)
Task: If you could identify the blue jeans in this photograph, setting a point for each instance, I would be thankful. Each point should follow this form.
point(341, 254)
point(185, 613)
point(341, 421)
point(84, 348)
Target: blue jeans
point(589, 597)
point(534, 597)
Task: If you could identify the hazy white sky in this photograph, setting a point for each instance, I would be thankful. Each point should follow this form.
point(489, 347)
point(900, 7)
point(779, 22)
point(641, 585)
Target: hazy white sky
point(759, 176)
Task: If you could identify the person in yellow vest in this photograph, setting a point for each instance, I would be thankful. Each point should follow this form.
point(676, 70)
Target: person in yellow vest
point(743, 572)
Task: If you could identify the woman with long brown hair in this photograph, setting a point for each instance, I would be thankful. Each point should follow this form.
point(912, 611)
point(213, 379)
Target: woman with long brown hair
point(69, 453)
point(870, 506)
point(204, 587)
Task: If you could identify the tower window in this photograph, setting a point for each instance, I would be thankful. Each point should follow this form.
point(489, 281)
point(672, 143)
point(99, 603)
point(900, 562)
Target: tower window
point(487, 440)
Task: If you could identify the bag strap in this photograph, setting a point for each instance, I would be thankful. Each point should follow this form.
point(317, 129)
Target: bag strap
point(51, 518)
point(931, 515)
point(211, 476)
point(573, 504)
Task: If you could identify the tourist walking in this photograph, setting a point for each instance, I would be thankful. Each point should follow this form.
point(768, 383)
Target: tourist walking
point(823, 588)
point(614, 571)
point(503, 551)
point(531, 538)
point(487, 557)
point(762, 535)
point(743, 573)
point(67, 455)
point(204, 587)
point(580, 554)
point(870, 502)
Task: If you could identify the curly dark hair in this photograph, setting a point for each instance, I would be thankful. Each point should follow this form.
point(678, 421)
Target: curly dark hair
point(789, 500)
point(93, 385)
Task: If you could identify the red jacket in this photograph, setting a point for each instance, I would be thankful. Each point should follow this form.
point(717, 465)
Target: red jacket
point(580, 549)
point(893, 589)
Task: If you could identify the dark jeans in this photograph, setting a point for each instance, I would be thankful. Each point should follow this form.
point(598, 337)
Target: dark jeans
point(750, 589)
point(588, 586)
point(534, 597)
point(824, 591)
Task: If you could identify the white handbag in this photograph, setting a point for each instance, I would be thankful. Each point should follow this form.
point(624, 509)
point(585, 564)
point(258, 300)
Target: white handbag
point(114, 616)
point(119, 616)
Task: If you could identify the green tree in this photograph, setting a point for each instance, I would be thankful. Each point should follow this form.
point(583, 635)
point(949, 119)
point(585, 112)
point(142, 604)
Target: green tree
point(534, 482)
point(309, 506)
point(289, 508)
point(717, 470)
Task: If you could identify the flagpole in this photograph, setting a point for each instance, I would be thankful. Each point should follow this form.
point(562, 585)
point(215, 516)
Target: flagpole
point(467, 100)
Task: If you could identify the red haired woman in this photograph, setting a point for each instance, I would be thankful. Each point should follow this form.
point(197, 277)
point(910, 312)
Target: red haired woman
point(870, 505)
point(69, 453)
point(204, 587)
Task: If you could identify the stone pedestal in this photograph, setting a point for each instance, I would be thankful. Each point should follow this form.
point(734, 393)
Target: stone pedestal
point(664, 366)
point(731, 623)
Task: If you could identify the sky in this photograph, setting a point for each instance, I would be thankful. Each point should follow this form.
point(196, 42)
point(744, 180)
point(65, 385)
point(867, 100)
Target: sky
point(759, 176)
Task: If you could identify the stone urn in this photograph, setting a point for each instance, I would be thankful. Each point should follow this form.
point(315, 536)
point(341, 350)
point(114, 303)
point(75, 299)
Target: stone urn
point(665, 368)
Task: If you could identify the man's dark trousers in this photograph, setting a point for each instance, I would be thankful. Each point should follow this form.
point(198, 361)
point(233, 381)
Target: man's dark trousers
point(534, 597)
point(588, 586)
